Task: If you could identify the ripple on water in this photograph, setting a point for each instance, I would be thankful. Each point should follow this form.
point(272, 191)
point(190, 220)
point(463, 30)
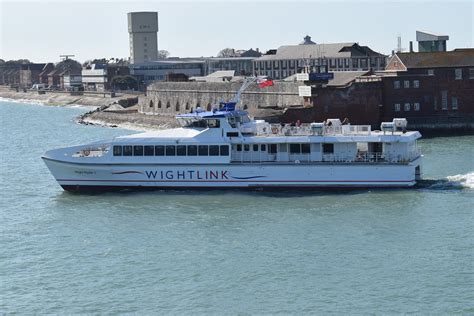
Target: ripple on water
point(365, 251)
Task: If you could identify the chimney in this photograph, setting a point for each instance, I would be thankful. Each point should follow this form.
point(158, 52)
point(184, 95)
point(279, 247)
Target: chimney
point(258, 50)
point(411, 46)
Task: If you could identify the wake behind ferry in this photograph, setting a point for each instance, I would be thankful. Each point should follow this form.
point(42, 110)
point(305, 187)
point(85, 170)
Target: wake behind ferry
point(225, 148)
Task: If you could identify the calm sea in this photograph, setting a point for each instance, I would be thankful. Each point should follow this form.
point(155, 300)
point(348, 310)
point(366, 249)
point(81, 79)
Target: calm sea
point(367, 251)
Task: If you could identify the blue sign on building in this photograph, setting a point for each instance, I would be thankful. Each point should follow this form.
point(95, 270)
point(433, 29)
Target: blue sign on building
point(315, 76)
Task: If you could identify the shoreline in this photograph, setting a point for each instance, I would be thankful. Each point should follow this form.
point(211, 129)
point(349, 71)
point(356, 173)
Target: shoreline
point(104, 111)
point(107, 112)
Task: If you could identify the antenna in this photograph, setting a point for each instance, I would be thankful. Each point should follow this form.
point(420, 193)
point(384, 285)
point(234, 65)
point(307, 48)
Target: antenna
point(399, 44)
point(65, 57)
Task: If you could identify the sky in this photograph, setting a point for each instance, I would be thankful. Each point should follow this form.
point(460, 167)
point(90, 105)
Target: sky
point(43, 30)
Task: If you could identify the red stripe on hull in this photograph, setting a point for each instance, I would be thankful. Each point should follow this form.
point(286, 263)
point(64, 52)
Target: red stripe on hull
point(109, 188)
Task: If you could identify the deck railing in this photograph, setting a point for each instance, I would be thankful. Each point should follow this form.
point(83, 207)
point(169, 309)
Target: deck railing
point(307, 130)
point(360, 157)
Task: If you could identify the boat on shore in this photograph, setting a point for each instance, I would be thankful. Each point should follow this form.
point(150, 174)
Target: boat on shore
point(225, 148)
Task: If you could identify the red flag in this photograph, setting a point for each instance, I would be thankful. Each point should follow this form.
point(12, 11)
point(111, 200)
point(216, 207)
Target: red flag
point(266, 83)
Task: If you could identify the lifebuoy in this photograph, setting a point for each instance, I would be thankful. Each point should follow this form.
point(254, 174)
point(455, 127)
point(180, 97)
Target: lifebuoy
point(87, 152)
point(275, 130)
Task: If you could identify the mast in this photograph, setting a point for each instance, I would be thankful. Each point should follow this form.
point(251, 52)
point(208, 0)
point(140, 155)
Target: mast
point(248, 81)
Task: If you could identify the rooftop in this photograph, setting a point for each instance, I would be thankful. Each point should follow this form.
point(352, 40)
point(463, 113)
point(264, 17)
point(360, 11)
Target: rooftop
point(457, 58)
point(304, 51)
point(422, 36)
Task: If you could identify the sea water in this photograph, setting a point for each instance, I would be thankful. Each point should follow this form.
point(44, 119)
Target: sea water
point(365, 251)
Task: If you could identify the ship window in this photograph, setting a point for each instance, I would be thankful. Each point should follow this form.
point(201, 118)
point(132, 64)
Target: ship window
point(255, 147)
point(328, 148)
point(224, 150)
point(295, 148)
point(213, 123)
point(181, 150)
point(127, 150)
point(214, 150)
point(117, 150)
point(192, 150)
point(203, 150)
point(246, 147)
point(159, 150)
point(263, 147)
point(305, 148)
point(138, 150)
point(239, 147)
point(149, 150)
point(170, 150)
point(272, 148)
point(232, 134)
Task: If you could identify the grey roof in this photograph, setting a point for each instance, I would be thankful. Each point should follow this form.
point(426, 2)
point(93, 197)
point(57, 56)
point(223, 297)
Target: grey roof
point(309, 51)
point(461, 58)
point(342, 78)
point(422, 36)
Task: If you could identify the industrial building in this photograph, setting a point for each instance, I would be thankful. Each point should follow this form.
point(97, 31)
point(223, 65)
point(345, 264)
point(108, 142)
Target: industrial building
point(143, 34)
point(429, 42)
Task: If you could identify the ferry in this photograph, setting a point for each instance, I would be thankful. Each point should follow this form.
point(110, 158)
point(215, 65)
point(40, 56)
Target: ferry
point(225, 148)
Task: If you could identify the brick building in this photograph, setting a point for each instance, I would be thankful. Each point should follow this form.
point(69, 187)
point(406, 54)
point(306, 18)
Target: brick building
point(430, 89)
point(356, 95)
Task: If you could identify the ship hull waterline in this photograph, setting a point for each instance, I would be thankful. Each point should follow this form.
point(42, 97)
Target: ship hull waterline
point(261, 176)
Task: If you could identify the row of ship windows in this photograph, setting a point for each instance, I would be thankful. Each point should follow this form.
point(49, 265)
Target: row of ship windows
point(171, 150)
point(272, 148)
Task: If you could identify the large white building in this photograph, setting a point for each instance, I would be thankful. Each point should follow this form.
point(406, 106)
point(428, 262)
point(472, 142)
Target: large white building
point(143, 31)
point(290, 59)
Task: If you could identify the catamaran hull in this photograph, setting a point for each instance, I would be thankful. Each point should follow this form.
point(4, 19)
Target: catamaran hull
point(106, 177)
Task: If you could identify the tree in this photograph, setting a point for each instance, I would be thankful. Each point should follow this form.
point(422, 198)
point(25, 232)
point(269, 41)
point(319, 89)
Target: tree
point(2, 61)
point(226, 52)
point(69, 65)
point(125, 82)
point(163, 54)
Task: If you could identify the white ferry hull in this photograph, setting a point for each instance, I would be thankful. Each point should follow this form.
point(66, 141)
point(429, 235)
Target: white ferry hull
point(104, 177)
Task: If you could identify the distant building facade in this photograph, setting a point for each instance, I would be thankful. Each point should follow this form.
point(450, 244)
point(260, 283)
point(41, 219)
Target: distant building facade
point(431, 88)
point(98, 77)
point(429, 42)
point(159, 70)
point(29, 74)
point(288, 60)
point(143, 34)
point(243, 66)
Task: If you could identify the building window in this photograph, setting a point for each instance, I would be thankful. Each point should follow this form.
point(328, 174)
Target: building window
point(444, 100)
point(471, 73)
point(431, 72)
point(407, 107)
point(416, 106)
point(396, 84)
point(416, 83)
point(397, 107)
point(406, 84)
point(458, 73)
point(454, 103)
